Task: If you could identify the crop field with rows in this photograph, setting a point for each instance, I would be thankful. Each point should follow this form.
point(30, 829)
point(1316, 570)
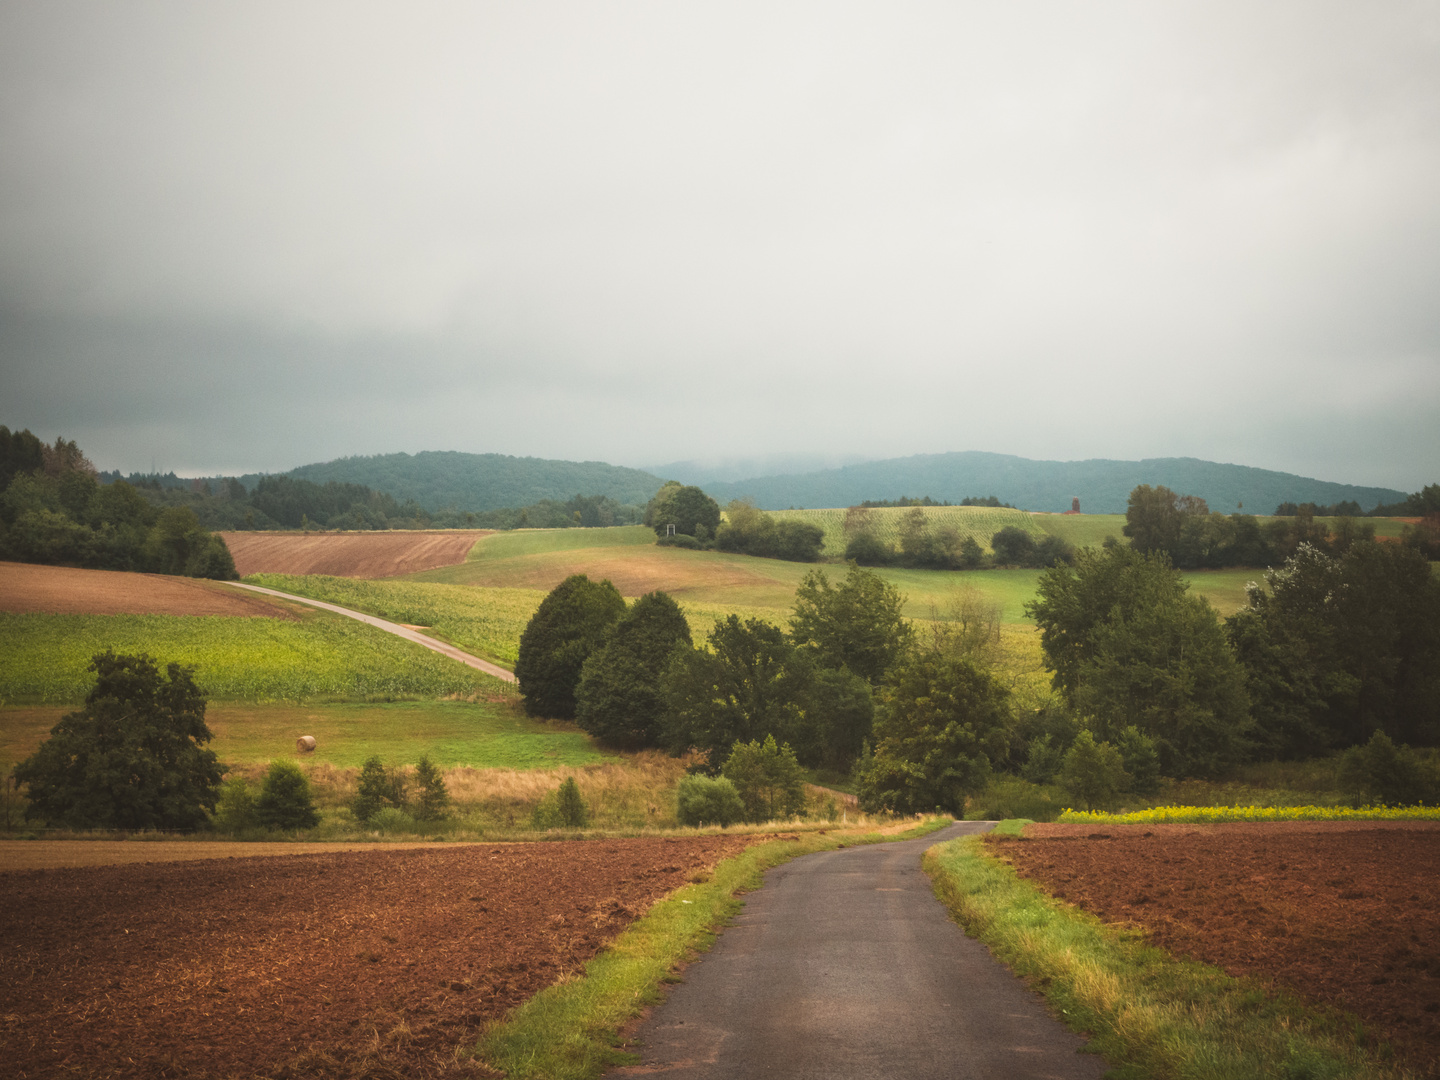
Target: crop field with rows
point(484, 621)
point(980, 522)
point(43, 658)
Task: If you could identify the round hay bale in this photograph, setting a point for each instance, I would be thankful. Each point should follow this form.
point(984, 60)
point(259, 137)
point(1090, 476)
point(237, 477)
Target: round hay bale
point(305, 744)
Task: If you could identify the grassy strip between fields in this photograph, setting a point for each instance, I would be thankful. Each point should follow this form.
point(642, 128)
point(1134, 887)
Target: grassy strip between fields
point(1206, 815)
point(1147, 1013)
point(569, 1031)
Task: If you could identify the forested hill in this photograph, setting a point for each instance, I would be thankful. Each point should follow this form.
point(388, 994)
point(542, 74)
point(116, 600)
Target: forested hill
point(439, 480)
point(1103, 486)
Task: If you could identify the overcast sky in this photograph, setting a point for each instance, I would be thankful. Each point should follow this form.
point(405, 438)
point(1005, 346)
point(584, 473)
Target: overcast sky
point(246, 236)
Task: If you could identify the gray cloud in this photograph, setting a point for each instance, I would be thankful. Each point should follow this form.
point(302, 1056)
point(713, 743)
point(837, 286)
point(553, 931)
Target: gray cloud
point(250, 235)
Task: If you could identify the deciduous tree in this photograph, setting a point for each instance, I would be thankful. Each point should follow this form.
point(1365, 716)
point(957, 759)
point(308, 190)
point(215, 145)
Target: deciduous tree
point(570, 624)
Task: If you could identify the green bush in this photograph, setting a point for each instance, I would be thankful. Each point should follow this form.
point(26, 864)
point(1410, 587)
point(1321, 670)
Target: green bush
point(708, 800)
point(562, 808)
point(434, 799)
point(1094, 772)
point(235, 811)
point(1013, 797)
point(392, 820)
point(767, 778)
point(285, 801)
point(379, 788)
point(1381, 772)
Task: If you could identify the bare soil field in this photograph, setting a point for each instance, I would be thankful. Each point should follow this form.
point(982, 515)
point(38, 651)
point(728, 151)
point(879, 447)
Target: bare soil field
point(357, 554)
point(1340, 913)
point(61, 590)
point(57, 854)
point(377, 963)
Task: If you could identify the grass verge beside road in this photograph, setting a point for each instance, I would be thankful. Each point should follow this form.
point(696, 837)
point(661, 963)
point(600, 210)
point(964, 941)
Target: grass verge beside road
point(570, 1031)
point(1147, 1013)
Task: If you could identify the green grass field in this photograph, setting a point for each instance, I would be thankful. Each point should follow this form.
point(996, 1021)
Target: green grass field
point(482, 735)
point(43, 658)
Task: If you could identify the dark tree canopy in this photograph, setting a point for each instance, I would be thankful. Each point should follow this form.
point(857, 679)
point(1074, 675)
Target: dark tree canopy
point(1340, 648)
point(1153, 519)
point(855, 624)
point(1129, 646)
point(940, 724)
point(133, 758)
point(685, 508)
point(618, 697)
point(748, 685)
point(569, 625)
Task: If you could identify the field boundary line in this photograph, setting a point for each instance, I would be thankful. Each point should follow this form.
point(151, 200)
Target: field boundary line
point(390, 628)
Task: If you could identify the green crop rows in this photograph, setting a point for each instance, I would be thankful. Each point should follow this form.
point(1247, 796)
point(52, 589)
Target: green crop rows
point(43, 658)
point(486, 622)
point(979, 522)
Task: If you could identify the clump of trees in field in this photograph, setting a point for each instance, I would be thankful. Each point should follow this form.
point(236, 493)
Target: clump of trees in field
point(54, 510)
point(924, 545)
point(1185, 529)
point(686, 517)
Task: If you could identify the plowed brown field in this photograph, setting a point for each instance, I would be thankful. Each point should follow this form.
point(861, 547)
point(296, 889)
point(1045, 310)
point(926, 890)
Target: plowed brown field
point(375, 964)
point(65, 591)
point(1343, 914)
point(358, 554)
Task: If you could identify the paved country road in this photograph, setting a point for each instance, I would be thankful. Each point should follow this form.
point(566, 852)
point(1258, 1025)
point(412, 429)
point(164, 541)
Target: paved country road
point(845, 966)
point(391, 628)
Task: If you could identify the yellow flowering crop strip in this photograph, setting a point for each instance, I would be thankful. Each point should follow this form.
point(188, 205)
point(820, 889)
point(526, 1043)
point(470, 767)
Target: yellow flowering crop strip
point(1200, 815)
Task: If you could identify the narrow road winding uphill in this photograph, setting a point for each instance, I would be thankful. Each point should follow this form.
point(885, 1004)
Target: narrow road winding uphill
point(390, 628)
point(846, 966)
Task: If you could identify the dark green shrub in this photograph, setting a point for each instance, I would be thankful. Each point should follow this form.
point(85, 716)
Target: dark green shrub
point(562, 808)
point(1094, 773)
point(1141, 760)
point(235, 811)
point(285, 802)
point(708, 800)
point(1381, 772)
point(379, 787)
point(867, 549)
point(434, 800)
point(1013, 797)
point(767, 778)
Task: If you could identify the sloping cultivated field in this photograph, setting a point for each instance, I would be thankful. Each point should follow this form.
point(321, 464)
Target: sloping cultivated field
point(348, 554)
point(43, 658)
point(381, 963)
point(26, 587)
point(1340, 913)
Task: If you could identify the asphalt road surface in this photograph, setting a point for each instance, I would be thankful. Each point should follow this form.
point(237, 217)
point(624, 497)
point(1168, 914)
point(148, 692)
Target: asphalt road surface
point(843, 966)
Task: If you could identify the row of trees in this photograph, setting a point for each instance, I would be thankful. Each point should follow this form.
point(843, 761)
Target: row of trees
point(1185, 529)
point(53, 510)
point(926, 546)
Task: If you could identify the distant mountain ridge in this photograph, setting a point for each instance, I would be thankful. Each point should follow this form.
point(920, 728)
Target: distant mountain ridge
point(449, 479)
point(1103, 486)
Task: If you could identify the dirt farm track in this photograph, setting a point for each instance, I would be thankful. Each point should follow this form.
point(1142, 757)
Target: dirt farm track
point(378, 963)
point(351, 554)
point(1343, 914)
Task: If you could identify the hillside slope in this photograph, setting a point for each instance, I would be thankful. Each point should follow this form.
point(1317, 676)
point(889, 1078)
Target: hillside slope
point(1103, 486)
point(447, 479)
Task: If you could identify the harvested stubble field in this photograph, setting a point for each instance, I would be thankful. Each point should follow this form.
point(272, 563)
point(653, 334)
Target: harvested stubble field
point(357, 554)
point(63, 590)
point(376, 963)
point(1340, 913)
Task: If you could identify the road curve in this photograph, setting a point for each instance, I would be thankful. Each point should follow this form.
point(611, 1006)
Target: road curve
point(390, 628)
point(845, 966)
